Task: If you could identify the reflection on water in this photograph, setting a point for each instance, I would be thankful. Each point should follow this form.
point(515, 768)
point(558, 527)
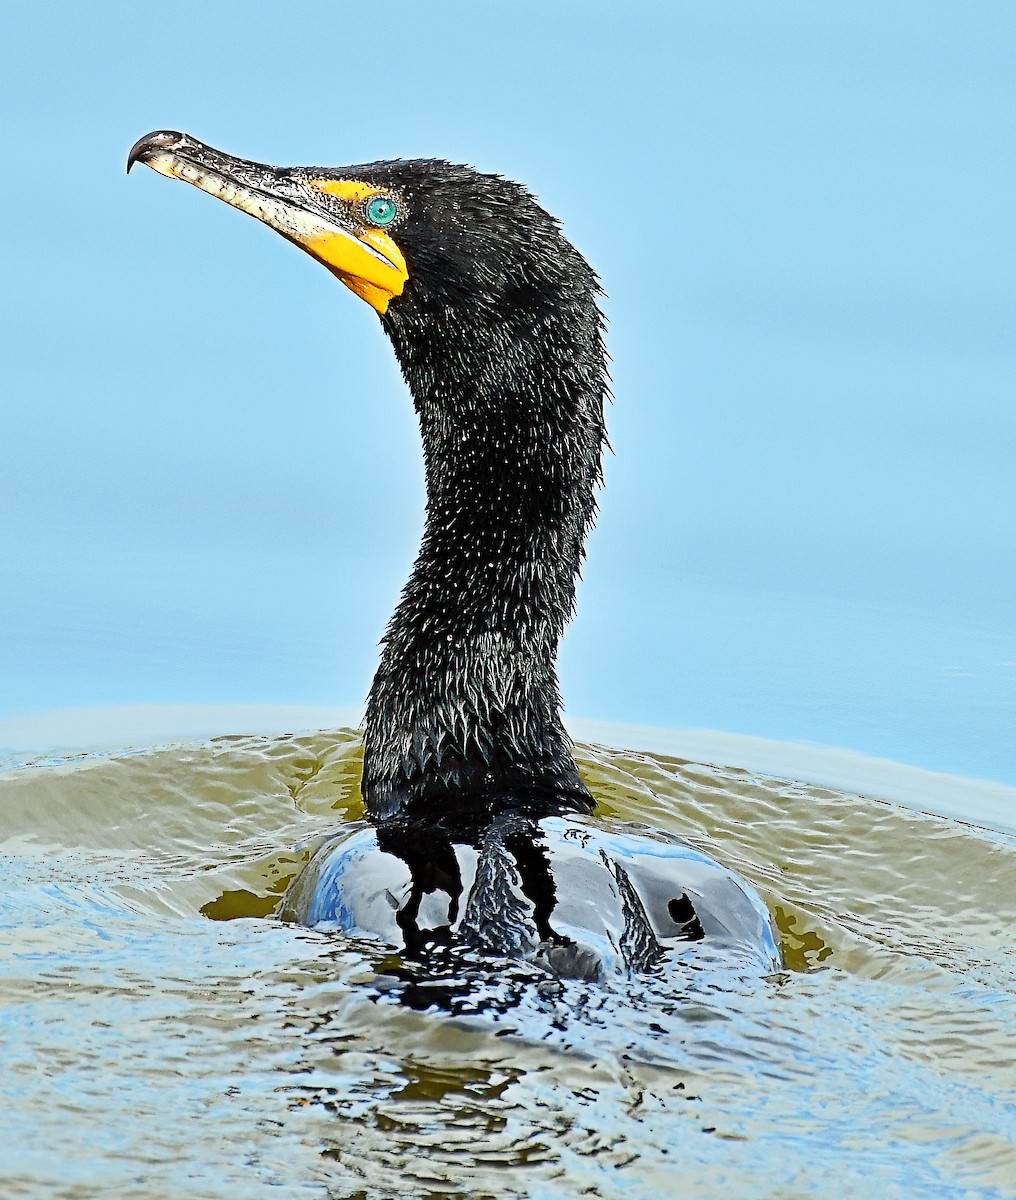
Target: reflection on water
point(146, 1050)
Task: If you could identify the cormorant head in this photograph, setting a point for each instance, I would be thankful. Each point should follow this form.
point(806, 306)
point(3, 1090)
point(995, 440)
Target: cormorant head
point(413, 234)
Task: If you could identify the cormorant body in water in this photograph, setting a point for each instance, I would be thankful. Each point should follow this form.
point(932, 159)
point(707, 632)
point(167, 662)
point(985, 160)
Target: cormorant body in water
point(480, 831)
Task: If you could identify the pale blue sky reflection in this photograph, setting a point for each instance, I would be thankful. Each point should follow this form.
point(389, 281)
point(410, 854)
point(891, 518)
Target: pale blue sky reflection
point(211, 488)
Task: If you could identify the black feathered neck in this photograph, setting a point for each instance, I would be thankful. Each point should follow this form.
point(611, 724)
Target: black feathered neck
point(500, 341)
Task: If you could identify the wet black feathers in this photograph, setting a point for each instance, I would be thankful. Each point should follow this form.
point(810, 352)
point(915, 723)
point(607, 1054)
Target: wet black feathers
point(499, 337)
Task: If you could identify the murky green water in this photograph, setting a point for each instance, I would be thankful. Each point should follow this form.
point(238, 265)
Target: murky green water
point(161, 1035)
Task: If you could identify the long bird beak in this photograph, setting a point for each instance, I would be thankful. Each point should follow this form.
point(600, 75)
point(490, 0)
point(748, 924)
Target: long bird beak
point(323, 216)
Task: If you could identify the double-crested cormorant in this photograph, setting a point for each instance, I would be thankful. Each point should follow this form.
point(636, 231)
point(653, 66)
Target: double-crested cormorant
point(478, 830)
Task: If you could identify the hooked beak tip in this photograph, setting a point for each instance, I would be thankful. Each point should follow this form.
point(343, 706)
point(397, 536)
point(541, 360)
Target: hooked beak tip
point(153, 143)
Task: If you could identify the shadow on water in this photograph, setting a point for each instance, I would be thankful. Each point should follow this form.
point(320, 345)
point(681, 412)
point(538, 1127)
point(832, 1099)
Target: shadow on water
point(146, 1050)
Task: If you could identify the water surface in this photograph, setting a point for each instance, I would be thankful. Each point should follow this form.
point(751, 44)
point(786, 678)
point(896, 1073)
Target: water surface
point(163, 1034)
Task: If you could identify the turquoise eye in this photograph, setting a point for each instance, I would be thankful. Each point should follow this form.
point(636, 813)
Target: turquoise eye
point(381, 210)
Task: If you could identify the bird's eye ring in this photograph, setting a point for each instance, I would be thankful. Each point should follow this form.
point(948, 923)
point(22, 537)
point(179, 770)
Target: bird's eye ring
point(381, 210)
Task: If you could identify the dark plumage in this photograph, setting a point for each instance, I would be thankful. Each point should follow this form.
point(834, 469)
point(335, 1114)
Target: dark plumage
point(499, 338)
point(478, 836)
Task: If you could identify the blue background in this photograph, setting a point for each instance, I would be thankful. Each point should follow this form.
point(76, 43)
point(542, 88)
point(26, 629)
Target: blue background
point(802, 212)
